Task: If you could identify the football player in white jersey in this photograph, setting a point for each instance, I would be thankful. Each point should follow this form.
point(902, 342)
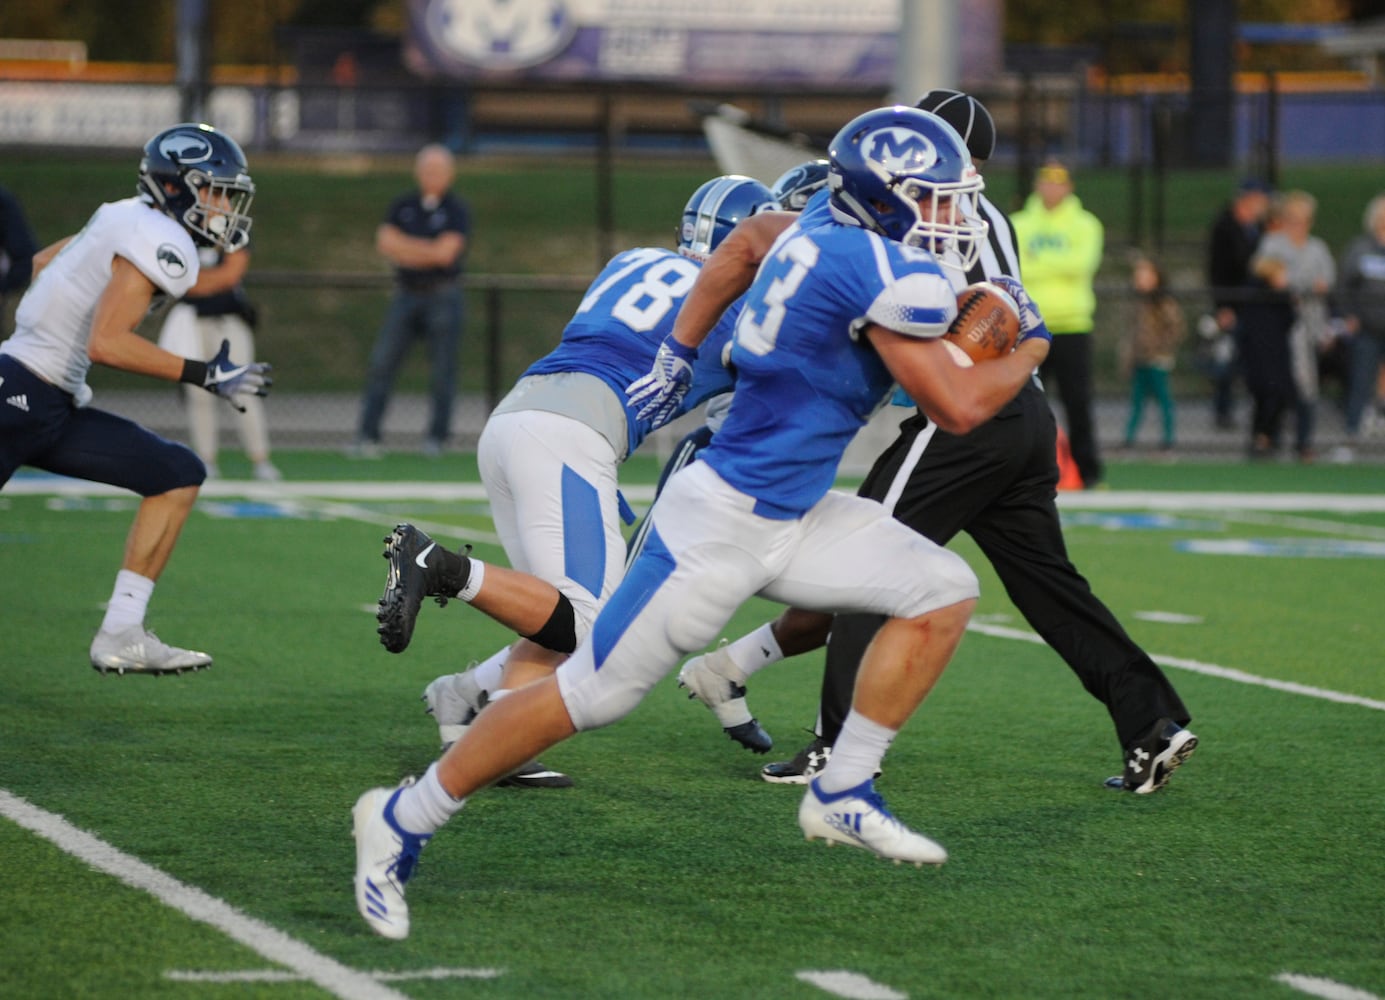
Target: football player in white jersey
point(850, 300)
point(89, 293)
point(549, 457)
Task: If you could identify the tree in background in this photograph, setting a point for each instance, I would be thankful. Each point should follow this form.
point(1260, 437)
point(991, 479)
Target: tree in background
point(143, 30)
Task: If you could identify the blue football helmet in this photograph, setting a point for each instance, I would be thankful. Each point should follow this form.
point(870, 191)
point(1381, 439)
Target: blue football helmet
point(797, 184)
point(199, 176)
point(906, 174)
point(715, 208)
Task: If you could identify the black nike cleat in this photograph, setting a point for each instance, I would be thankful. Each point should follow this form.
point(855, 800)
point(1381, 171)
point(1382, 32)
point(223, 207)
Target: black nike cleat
point(419, 568)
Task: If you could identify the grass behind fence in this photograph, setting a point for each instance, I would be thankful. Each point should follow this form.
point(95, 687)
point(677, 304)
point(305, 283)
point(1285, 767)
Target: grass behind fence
point(540, 216)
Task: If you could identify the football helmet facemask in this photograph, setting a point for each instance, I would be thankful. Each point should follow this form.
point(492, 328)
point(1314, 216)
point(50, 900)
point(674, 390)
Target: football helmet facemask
point(797, 184)
point(907, 175)
point(199, 177)
point(715, 208)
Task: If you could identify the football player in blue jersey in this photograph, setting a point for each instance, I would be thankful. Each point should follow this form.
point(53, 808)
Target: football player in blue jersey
point(549, 457)
point(89, 293)
point(850, 300)
point(791, 192)
point(998, 484)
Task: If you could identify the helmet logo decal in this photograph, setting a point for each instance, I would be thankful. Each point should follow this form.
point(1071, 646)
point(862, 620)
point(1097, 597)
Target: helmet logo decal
point(185, 147)
point(171, 261)
point(899, 150)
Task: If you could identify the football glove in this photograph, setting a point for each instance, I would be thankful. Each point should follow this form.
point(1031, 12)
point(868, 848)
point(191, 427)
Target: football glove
point(657, 396)
point(1031, 323)
point(230, 381)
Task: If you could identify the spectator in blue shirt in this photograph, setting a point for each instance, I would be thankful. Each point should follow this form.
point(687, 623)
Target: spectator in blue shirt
point(424, 235)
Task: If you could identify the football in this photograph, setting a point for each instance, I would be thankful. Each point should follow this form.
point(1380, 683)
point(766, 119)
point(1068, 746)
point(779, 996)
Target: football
point(986, 327)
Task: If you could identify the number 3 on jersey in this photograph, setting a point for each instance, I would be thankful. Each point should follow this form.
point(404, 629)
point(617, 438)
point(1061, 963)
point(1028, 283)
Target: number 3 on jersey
point(646, 295)
point(790, 265)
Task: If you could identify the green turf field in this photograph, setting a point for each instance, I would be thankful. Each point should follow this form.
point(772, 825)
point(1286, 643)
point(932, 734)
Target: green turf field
point(671, 870)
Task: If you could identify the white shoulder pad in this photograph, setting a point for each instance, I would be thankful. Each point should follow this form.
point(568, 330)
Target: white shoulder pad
point(163, 250)
point(919, 304)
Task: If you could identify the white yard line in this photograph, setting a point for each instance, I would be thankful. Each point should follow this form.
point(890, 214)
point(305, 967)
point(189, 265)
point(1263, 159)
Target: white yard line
point(269, 942)
point(851, 985)
point(1317, 524)
point(1198, 667)
point(350, 512)
point(1325, 988)
point(274, 976)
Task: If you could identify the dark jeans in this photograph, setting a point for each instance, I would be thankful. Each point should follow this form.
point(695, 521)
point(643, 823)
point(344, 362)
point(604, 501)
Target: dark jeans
point(1263, 346)
point(436, 318)
point(1069, 364)
point(1363, 365)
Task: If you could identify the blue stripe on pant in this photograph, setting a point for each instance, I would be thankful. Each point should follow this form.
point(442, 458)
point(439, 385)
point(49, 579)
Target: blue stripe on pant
point(584, 533)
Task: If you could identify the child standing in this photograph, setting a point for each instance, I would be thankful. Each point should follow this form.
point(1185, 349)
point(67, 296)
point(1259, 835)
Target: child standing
point(1148, 352)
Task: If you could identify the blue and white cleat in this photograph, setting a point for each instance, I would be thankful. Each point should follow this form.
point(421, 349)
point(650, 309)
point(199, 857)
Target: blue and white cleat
point(385, 858)
point(859, 817)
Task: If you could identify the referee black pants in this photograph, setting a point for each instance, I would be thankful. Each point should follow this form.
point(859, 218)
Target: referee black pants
point(998, 484)
point(1069, 364)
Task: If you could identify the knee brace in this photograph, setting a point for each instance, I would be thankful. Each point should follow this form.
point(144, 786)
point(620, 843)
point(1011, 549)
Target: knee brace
point(559, 633)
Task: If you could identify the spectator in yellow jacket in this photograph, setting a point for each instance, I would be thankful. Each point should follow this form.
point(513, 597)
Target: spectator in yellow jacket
point(1060, 246)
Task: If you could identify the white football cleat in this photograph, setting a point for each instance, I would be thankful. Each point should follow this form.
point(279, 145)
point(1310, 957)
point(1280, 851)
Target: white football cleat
point(716, 681)
point(135, 650)
point(453, 701)
point(385, 858)
point(859, 817)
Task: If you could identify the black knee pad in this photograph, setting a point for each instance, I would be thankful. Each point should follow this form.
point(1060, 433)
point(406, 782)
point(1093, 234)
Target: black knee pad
point(559, 633)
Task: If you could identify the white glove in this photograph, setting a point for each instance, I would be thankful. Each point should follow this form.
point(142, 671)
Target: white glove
point(230, 381)
point(1031, 323)
point(657, 396)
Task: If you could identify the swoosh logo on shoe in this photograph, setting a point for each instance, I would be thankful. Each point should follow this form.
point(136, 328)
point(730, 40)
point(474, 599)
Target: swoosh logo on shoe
point(420, 559)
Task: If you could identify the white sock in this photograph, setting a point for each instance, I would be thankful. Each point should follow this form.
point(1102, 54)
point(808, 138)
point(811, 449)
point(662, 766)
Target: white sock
point(129, 600)
point(754, 651)
point(425, 806)
point(857, 754)
point(475, 575)
point(487, 672)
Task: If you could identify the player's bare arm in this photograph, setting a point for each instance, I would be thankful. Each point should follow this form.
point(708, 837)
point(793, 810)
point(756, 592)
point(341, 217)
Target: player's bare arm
point(726, 275)
point(957, 399)
point(114, 342)
point(222, 277)
point(45, 256)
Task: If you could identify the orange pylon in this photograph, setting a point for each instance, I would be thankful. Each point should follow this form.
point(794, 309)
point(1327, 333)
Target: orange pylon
point(1068, 476)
